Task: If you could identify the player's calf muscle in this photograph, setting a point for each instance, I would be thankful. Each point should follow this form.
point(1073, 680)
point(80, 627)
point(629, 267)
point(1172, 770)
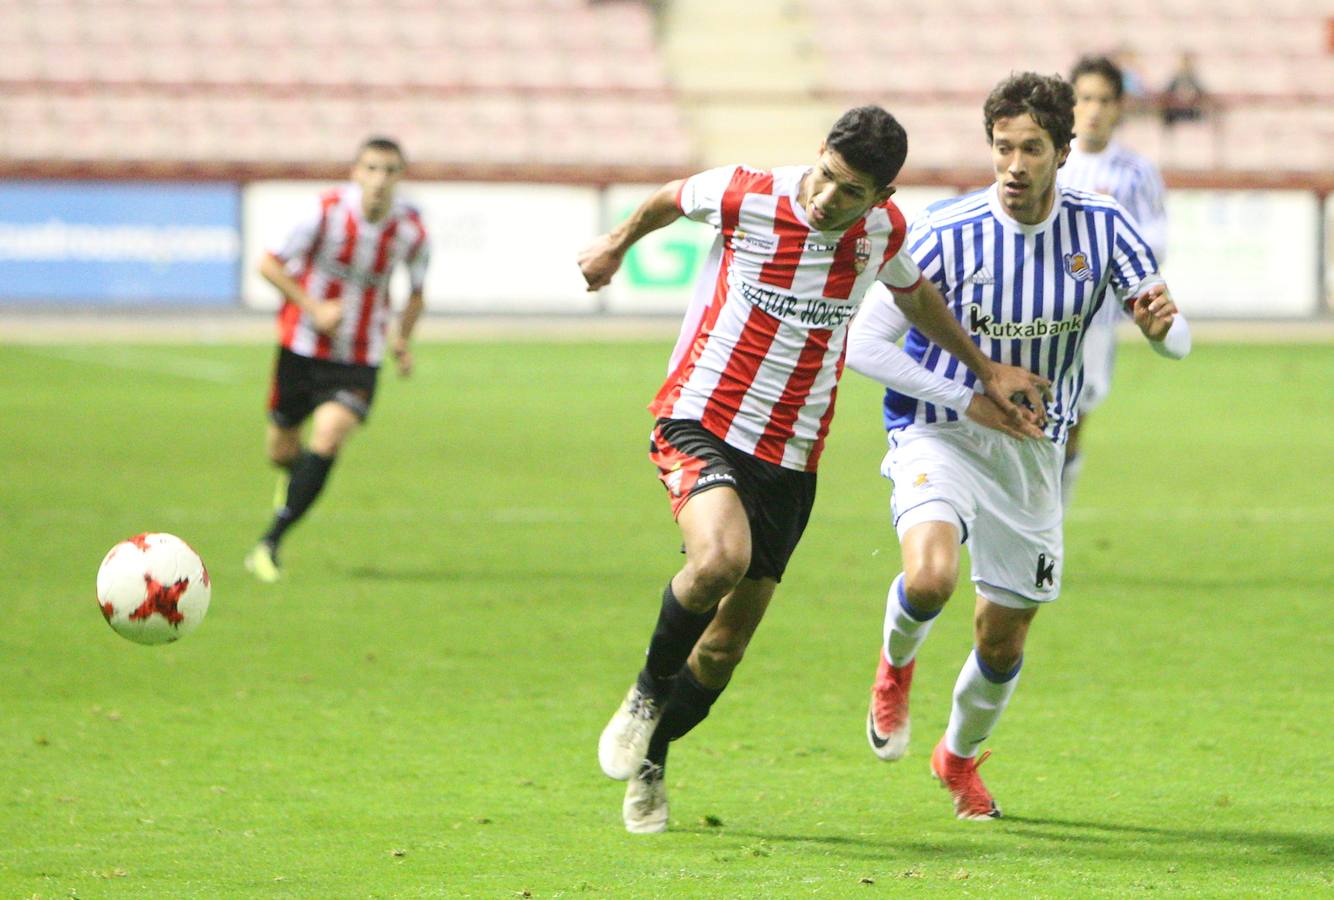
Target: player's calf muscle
point(717, 656)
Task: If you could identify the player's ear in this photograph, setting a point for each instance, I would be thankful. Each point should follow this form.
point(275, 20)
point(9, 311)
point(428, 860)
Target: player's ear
point(1062, 155)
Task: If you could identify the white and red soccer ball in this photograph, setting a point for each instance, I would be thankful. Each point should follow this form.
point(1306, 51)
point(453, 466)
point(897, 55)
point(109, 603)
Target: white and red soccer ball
point(153, 588)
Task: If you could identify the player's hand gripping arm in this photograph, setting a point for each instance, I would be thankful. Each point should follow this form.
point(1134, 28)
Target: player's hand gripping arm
point(925, 308)
point(1161, 322)
point(600, 259)
point(406, 322)
point(873, 352)
point(326, 314)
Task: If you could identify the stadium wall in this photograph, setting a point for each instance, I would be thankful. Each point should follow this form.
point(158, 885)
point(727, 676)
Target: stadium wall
point(1232, 252)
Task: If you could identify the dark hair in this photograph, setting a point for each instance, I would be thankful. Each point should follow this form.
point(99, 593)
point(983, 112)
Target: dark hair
point(1100, 65)
point(870, 140)
point(1049, 99)
point(383, 144)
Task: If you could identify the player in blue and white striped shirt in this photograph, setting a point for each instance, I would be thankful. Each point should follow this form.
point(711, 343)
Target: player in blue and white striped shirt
point(1099, 163)
point(1024, 266)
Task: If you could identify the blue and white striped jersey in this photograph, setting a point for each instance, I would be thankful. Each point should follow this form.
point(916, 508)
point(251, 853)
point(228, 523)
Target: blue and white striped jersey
point(1026, 293)
point(1132, 179)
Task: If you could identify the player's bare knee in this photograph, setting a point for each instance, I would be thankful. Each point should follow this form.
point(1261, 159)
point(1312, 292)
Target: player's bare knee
point(1000, 646)
point(283, 457)
point(717, 569)
point(324, 448)
point(1001, 655)
point(282, 449)
point(930, 587)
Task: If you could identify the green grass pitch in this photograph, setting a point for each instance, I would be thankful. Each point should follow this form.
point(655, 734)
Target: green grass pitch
point(413, 712)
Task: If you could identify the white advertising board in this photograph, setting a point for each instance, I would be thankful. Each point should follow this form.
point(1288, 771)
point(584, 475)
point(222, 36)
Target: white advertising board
point(1243, 254)
point(511, 248)
point(659, 273)
point(495, 248)
point(1328, 251)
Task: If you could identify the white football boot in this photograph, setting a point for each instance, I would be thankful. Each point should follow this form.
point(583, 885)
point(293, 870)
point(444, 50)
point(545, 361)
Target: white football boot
point(645, 806)
point(624, 741)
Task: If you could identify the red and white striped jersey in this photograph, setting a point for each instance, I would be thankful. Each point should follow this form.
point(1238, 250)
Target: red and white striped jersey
point(762, 346)
point(334, 253)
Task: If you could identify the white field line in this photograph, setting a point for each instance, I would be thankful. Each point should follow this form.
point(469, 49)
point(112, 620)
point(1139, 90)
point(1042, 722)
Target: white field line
point(136, 361)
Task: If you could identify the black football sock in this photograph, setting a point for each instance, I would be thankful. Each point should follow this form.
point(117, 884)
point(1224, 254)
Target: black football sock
point(308, 476)
point(687, 705)
point(673, 638)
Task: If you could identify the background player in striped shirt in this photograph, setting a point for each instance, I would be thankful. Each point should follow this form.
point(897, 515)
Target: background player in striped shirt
point(1097, 162)
point(1024, 266)
point(333, 270)
point(743, 414)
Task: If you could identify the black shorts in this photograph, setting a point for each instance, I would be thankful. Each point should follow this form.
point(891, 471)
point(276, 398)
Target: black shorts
point(778, 501)
point(301, 383)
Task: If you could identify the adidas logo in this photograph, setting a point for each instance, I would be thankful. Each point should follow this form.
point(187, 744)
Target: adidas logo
point(981, 276)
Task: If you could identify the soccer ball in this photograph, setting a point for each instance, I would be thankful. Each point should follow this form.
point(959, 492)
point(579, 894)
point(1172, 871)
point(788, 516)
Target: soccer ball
point(153, 588)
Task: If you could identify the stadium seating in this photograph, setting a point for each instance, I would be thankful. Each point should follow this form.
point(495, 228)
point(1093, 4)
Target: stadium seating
point(1266, 65)
point(593, 85)
point(523, 83)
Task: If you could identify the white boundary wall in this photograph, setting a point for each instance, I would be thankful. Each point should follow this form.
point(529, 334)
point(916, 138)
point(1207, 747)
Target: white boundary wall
point(495, 248)
point(511, 248)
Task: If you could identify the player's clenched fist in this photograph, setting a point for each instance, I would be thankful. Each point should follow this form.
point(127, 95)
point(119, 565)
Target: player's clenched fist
point(599, 261)
point(328, 315)
point(1154, 311)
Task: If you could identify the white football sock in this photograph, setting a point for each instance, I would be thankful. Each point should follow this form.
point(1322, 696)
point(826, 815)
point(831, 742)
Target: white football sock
point(904, 632)
point(1069, 475)
point(979, 700)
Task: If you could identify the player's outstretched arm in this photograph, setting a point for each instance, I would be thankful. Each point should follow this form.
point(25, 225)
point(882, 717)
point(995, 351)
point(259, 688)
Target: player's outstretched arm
point(1161, 322)
point(402, 346)
point(600, 259)
point(326, 314)
point(926, 308)
point(872, 352)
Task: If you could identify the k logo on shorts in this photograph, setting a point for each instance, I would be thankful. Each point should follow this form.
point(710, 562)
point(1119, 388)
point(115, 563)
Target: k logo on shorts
point(1046, 572)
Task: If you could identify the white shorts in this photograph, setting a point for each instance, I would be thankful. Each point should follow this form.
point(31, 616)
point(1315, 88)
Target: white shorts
point(1099, 356)
point(1004, 494)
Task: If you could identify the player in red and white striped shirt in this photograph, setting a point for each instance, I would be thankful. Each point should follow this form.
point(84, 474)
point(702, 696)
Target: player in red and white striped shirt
point(744, 412)
point(333, 270)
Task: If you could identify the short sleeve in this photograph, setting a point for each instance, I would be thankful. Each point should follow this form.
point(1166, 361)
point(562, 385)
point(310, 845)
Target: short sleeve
point(1147, 207)
point(923, 245)
point(901, 273)
point(301, 240)
point(418, 261)
point(701, 195)
point(1133, 265)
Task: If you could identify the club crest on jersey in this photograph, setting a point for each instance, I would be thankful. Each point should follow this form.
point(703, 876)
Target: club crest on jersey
point(861, 254)
point(1077, 266)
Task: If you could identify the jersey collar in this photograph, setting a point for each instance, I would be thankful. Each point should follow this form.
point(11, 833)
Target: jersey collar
point(1009, 223)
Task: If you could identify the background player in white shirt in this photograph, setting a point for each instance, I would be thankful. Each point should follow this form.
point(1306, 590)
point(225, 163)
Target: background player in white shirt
point(743, 414)
point(1024, 266)
point(1098, 162)
point(333, 270)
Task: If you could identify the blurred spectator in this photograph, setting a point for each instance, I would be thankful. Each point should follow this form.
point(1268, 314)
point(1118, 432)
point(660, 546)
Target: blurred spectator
point(1133, 90)
point(1184, 97)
